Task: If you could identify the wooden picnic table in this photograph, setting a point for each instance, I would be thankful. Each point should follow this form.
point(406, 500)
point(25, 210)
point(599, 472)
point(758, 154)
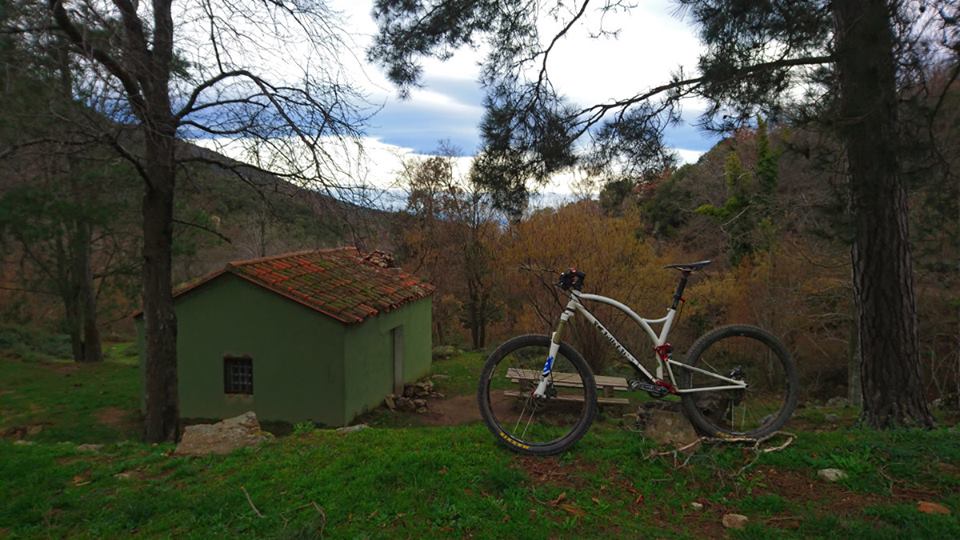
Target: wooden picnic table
point(605, 385)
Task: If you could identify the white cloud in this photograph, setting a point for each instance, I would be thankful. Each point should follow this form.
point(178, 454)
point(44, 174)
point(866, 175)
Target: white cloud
point(688, 156)
point(434, 99)
point(652, 43)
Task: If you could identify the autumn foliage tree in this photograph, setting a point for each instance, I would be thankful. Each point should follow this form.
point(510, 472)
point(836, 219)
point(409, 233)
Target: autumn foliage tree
point(452, 243)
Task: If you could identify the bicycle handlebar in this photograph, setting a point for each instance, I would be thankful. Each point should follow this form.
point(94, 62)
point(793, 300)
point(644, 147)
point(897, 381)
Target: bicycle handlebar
point(572, 279)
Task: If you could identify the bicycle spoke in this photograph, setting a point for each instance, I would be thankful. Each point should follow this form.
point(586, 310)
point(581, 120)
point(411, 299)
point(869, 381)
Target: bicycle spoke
point(520, 418)
point(526, 427)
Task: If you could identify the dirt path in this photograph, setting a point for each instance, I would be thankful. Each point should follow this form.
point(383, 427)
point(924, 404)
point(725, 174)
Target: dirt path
point(113, 417)
point(452, 411)
point(458, 410)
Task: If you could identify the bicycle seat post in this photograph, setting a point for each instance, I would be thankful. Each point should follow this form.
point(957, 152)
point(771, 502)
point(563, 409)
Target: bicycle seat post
point(678, 295)
point(685, 271)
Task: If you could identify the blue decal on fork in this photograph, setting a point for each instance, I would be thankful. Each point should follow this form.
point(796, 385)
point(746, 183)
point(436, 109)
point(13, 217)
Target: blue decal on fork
point(547, 366)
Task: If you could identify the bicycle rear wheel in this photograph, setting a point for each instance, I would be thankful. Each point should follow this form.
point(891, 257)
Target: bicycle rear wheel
point(529, 425)
point(744, 353)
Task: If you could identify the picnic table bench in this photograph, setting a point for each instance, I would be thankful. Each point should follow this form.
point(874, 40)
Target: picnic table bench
point(605, 385)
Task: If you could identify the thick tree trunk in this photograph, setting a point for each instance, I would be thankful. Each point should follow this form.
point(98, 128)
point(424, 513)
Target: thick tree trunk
point(854, 388)
point(160, 321)
point(79, 300)
point(86, 296)
point(72, 321)
point(882, 264)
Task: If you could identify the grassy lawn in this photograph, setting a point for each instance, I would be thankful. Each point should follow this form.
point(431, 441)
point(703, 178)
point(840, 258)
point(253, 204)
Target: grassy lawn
point(458, 375)
point(442, 481)
point(67, 401)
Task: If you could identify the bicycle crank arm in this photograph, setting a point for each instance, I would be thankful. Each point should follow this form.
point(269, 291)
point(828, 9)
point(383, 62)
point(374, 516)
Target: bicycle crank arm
point(655, 390)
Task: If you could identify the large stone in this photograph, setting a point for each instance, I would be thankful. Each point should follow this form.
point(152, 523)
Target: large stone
point(666, 426)
point(734, 521)
point(223, 437)
point(831, 475)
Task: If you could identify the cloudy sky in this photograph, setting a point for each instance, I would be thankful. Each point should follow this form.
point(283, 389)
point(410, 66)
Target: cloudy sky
point(653, 42)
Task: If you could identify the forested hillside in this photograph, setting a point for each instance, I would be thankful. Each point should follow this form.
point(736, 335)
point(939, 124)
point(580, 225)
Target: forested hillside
point(220, 216)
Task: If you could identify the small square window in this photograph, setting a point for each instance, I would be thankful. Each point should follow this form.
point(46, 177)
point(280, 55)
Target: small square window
point(237, 375)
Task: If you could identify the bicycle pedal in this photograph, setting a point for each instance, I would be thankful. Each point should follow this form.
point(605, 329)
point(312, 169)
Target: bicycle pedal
point(655, 390)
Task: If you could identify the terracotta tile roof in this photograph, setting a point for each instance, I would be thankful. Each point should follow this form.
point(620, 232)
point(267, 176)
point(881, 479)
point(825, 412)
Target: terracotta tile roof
point(336, 282)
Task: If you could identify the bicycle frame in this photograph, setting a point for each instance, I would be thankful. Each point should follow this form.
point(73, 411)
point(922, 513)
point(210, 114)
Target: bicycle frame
point(661, 347)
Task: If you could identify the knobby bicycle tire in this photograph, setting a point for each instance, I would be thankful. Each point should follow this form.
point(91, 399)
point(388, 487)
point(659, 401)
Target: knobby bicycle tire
point(694, 358)
point(510, 440)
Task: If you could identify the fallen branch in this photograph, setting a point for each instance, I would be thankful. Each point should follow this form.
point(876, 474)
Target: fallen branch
point(249, 500)
point(323, 515)
point(756, 447)
point(317, 507)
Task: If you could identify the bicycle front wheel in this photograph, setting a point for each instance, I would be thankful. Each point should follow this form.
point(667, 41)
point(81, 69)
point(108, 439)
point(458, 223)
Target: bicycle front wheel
point(527, 424)
point(738, 353)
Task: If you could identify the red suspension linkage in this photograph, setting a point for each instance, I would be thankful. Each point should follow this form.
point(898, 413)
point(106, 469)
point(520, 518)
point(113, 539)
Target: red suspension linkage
point(663, 353)
point(666, 386)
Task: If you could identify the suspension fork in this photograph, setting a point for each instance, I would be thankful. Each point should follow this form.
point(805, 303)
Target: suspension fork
point(555, 338)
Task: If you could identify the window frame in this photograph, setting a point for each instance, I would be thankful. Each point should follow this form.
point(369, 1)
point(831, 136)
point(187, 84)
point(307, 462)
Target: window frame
point(231, 363)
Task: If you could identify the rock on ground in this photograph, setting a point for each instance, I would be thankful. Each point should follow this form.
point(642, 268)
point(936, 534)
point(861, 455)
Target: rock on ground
point(838, 401)
point(223, 437)
point(351, 429)
point(734, 521)
point(831, 475)
point(413, 398)
point(932, 508)
point(89, 447)
point(443, 352)
point(664, 425)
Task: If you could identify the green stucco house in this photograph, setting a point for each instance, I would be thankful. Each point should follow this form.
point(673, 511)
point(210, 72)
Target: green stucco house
point(318, 335)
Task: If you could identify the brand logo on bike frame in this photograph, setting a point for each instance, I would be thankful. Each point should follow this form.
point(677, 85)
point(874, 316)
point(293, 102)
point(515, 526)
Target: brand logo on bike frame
point(548, 366)
point(613, 341)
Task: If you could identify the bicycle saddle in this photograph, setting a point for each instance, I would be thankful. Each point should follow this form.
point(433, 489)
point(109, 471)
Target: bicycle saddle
point(689, 267)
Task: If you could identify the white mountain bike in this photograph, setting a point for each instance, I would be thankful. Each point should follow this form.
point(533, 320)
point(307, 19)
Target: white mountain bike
point(538, 395)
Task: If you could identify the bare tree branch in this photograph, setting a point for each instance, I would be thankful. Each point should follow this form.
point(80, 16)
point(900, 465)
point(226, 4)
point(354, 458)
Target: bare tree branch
point(78, 38)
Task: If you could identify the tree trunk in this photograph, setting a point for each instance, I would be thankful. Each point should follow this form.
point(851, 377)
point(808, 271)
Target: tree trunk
point(82, 306)
point(86, 299)
point(160, 321)
point(71, 319)
point(882, 264)
point(854, 388)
